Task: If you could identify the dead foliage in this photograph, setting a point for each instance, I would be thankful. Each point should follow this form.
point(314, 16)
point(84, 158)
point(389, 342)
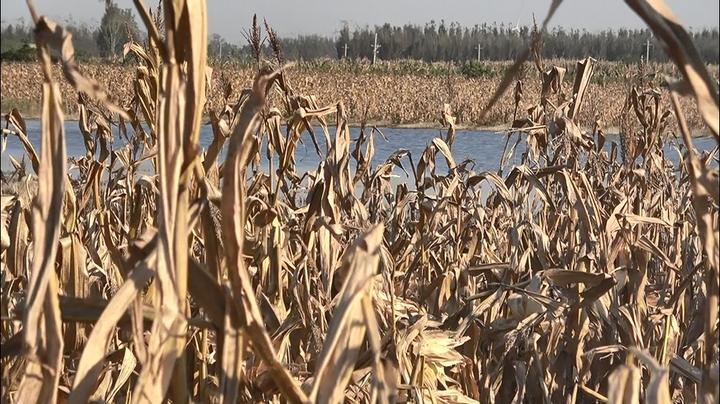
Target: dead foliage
point(575, 275)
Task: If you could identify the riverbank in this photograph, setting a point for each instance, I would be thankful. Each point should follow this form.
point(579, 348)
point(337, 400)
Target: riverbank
point(697, 131)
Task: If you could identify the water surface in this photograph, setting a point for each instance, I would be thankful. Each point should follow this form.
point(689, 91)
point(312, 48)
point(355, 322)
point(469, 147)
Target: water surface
point(483, 147)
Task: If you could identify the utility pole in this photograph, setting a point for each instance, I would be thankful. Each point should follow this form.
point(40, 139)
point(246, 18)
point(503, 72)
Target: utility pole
point(479, 49)
point(375, 47)
point(346, 48)
point(647, 51)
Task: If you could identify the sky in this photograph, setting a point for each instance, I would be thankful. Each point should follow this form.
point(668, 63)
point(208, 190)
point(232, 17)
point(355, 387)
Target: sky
point(230, 18)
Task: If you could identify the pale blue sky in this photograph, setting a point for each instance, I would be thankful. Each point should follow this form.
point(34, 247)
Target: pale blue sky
point(325, 17)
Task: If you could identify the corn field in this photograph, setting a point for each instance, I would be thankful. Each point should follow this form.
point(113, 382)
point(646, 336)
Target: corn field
point(389, 93)
point(577, 275)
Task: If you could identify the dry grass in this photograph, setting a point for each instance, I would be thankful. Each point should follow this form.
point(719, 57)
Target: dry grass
point(575, 276)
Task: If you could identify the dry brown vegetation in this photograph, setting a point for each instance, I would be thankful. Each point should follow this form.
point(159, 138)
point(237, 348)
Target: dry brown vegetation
point(394, 93)
point(575, 276)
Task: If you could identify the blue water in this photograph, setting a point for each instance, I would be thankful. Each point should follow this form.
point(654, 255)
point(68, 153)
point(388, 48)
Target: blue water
point(483, 147)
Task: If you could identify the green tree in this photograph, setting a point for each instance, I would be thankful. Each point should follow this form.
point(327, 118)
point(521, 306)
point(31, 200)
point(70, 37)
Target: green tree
point(117, 27)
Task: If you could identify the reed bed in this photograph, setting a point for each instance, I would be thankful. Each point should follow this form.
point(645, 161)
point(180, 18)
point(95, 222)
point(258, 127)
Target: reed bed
point(575, 276)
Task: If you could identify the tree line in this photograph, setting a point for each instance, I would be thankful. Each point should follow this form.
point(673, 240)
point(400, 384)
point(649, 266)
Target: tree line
point(430, 42)
point(117, 27)
point(452, 42)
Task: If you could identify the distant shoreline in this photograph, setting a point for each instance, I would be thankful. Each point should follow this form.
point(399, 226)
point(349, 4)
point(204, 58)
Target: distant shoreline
point(499, 129)
point(395, 96)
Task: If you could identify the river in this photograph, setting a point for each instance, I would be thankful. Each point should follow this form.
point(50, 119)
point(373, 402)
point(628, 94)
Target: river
point(483, 147)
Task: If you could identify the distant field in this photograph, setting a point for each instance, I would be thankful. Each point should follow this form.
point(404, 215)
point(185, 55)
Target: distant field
point(391, 93)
